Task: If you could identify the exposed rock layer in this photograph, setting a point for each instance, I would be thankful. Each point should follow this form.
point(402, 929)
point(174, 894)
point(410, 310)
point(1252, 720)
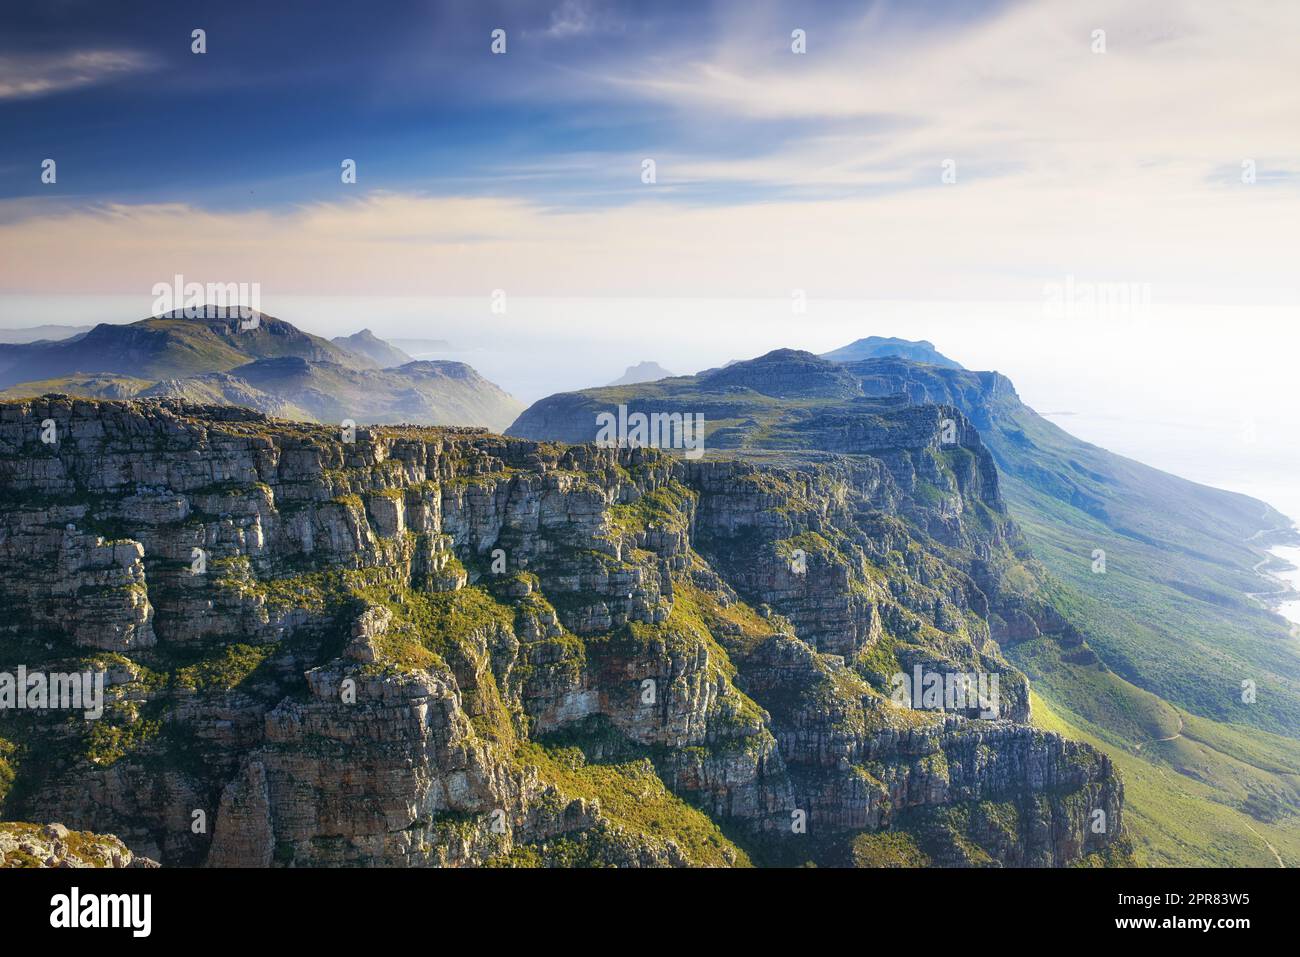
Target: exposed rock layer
point(443, 647)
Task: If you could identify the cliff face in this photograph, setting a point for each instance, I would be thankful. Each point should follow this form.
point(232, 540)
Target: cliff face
point(444, 647)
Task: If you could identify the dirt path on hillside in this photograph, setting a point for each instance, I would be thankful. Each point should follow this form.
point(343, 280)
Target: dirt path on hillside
point(1176, 734)
point(1280, 862)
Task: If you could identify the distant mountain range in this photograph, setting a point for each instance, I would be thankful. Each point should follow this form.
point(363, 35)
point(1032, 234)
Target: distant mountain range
point(169, 346)
point(642, 372)
point(260, 362)
point(1154, 575)
point(419, 392)
point(366, 343)
point(36, 333)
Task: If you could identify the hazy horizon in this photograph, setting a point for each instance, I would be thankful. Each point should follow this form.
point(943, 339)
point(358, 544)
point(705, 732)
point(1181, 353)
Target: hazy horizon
point(667, 184)
point(1167, 386)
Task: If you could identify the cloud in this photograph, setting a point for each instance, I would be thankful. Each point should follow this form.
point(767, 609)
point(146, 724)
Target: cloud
point(32, 75)
point(570, 19)
point(1108, 167)
point(1183, 87)
point(982, 242)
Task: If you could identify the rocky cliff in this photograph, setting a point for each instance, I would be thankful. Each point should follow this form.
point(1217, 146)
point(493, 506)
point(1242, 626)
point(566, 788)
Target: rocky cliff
point(445, 647)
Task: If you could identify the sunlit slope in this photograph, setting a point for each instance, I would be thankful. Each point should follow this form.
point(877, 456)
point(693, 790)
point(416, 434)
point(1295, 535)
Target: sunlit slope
point(1172, 610)
point(1174, 818)
point(1165, 635)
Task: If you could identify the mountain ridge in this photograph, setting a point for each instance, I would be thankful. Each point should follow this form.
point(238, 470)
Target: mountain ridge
point(879, 347)
point(679, 663)
point(258, 361)
point(366, 343)
point(1172, 610)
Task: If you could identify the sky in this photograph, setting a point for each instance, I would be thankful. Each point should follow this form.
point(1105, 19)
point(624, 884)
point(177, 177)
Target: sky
point(522, 171)
point(935, 169)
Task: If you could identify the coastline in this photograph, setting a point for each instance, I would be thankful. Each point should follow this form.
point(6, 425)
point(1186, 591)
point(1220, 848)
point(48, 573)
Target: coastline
point(1280, 567)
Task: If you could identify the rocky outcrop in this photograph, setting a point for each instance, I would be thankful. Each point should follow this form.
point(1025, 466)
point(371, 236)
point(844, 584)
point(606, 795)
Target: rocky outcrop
point(53, 845)
point(443, 647)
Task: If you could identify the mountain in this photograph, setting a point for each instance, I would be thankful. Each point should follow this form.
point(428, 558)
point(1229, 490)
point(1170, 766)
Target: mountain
point(169, 346)
point(427, 393)
point(878, 347)
point(642, 372)
point(366, 344)
point(260, 363)
point(1145, 659)
point(1170, 543)
point(37, 333)
point(93, 386)
point(417, 646)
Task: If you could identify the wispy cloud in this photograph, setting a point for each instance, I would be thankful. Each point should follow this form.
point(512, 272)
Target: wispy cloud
point(776, 170)
point(984, 243)
point(1182, 89)
point(570, 19)
point(33, 75)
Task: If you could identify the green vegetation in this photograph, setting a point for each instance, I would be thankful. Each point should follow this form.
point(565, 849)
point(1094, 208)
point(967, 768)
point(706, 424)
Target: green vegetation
point(107, 742)
point(888, 849)
point(1174, 819)
point(105, 386)
point(229, 668)
point(665, 508)
point(8, 752)
point(1169, 631)
point(632, 796)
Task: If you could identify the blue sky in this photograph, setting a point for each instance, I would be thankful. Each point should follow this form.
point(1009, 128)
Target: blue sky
point(414, 95)
point(820, 171)
point(818, 174)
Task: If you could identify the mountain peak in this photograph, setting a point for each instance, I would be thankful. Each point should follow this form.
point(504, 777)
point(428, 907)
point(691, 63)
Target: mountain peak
point(642, 372)
point(785, 373)
point(877, 347)
point(209, 312)
point(367, 345)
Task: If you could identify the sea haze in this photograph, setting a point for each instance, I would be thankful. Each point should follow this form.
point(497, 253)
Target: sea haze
point(1202, 392)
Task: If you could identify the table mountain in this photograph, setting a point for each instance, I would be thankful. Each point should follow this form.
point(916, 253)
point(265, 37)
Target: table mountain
point(169, 346)
point(446, 647)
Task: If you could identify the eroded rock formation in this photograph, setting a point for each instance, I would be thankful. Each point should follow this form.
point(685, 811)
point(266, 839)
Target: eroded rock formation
point(445, 647)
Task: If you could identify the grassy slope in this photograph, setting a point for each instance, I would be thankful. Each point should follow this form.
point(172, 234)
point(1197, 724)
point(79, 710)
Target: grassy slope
point(1171, 611)
point(105, 386)
point(1176, 820)
point(1175, 634)
point(632, 796)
